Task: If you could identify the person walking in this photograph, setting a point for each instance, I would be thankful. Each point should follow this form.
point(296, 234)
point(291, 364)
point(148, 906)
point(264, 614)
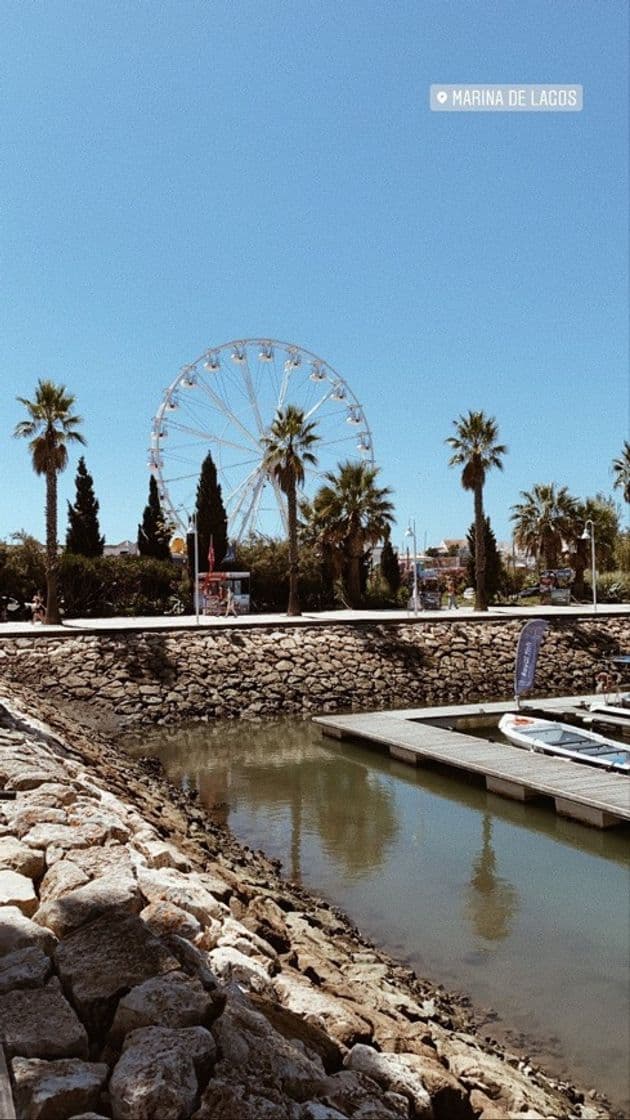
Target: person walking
point(452, 595)
point(38, 608)
point(230, 603)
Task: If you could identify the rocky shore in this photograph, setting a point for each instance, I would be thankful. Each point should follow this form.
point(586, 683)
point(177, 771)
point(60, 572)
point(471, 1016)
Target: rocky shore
point(153, 969)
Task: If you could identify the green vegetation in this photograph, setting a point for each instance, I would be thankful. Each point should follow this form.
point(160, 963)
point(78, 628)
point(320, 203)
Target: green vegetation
point(154, 533)
point(50, 428)
point(475, 448)
point(211, 516)
point(287, 453)
point(348, 516)
point(494, 575)
point(621, 472)
point(83, 534)
point(543, 521)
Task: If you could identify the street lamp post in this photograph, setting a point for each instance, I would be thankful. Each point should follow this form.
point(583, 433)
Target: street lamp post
point(590, 535)
point(192, 528)
point(410, 531)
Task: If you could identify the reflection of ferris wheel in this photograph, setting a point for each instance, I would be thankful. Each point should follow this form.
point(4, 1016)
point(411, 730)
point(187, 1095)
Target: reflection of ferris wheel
point(224, 403)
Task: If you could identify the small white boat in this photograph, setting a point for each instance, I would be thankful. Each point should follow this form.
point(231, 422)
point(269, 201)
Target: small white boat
point(618, 705)
point(564, 741)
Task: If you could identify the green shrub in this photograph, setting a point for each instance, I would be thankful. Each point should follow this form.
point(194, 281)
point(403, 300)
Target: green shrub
point(612, 587)
point(119, 585)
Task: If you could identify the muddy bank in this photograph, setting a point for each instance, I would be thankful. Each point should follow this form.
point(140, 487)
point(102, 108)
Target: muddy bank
point(137, 914)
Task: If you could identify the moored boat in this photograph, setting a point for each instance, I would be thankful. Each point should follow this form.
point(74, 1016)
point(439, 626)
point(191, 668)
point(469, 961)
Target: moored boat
point(564, 741)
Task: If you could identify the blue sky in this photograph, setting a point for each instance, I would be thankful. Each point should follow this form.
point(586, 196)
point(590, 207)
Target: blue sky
point(176, 175)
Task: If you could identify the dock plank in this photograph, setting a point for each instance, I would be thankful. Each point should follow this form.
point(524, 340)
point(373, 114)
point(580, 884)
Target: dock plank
point(560, 779)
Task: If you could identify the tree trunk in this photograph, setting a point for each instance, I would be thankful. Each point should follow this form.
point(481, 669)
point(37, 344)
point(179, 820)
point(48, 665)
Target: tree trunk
point(294, 594)
point(481, 599)
point(355, 555)
point(52, 608)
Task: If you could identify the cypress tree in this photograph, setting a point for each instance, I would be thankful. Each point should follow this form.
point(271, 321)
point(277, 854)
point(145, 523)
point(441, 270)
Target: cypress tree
point(83, 537)
point(154, 532)
point(390, 569)
point(211, 516)
point(494, 564)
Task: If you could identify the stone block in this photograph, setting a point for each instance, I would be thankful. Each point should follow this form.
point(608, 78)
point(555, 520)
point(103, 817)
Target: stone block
point(57, 1089)
point(17, 890)
point(158, 1073)
point(15, 856)
point(106, 957)
point(40, 1023)
point(24, 968)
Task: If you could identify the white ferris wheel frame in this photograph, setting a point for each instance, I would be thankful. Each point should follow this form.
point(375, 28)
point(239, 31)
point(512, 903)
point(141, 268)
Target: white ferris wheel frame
point(242, 504)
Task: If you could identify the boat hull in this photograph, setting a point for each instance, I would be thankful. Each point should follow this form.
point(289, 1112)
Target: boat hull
point(565, 741)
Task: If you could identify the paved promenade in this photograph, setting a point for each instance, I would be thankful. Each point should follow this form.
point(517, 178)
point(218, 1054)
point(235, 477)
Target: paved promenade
point(324, 618)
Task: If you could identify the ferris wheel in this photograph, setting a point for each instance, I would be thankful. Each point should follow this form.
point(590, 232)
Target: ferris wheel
point(224, 402)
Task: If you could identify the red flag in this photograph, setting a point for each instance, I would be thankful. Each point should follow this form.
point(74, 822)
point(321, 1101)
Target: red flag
point(211, 556)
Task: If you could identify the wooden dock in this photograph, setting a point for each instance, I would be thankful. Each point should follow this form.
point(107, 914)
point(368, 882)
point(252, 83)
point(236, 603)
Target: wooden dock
point(585, 793)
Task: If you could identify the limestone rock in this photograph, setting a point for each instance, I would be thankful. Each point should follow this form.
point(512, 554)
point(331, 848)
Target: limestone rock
point(22, 817)
point(62, 877)
point(97, 861)
point(229, 964)
point(170, 885)
point(390, 1071)
point(24, 968)
point(17, 890)
point(65, 836)
point(108, 956)
point(18, 932)
point(82, 905)
point(51, 1090)
point(164, 918)
point(247, 1040)
point(158, 1073)
point(504, 1084)
point(174, 1000)
point(40, 1023)
point(159, 853)
point(336, 1016)
point(15, 856)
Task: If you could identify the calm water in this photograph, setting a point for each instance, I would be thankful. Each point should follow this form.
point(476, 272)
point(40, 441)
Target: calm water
point(526, 912)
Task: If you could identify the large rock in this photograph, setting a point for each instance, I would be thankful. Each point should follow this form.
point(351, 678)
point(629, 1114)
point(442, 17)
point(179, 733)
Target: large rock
point(18, 932)
point(76, 907)
point(41, 1024)
point(164, 919)
point(337, 1017)
point(174, 1000)
point(15, 856)
point(106, 957)
point(55, 1090)
point(65, 836)
point(159, 1073)
point(505, 1085)
point(17, 890)
point(24, 968)
point(392, 1073)
point(170, 885)
point(64, 876)
point(22, 817)
point(229, 964)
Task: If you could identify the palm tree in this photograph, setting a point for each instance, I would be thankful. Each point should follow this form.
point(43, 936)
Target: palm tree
point(475, 448)
point(544, 521)
point(287, 452)
point(50, 428)
point(349, 514)
point(621, 471)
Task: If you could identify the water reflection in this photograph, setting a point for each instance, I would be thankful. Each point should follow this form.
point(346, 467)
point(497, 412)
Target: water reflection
point(501, 899)
point(255, 767)
point(491, 901)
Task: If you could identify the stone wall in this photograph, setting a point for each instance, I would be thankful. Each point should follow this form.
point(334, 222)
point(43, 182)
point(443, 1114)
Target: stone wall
point(170, 676)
